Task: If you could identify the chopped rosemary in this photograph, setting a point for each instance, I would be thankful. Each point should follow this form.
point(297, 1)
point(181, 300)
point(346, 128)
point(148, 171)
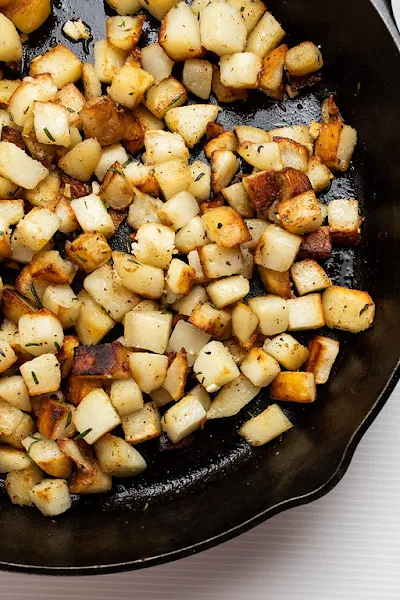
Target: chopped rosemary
point(86, 44)
point(57, 345)
point(35, 295)
point(70, 109)
point(112, 170)
point(35, 441)
point(10, 116)
point(199, 176)
point(81, 258)
point(35, 379)
point(259, 149)
point(80, 436)
point(26, 110)
point(47, 132)
point(32, 344)
point(175, 100)
point(133, 261)
point(69, 419)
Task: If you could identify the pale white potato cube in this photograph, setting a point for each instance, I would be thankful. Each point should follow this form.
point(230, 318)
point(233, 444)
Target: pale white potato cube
point(276, 249)
point(179, 33)
point(191, 121)
point(142, 425)
point(109, 156)
point(344, 221)
point(148, 370)
point(287, 351)
point(107, 60)
point(37, 228)
point(162, 146)
point(21, 426)
point(82, 160)
point(117, 458)
point(245, 133)
point(266, 426)
point(240, 70)
point(14, 391)
point(323, 352)
point(126, 396)
point(20, 105)
point(173, 177)
point(154, 245)
point(191, 236)
point(201, 180)
point(179, 210)
point(256, 228)
point(180, 277)
point(75, 30)
point(92, 215)
point(265, 36)
point(222, 29)
point(265, 156)
point(144, 209)
point(232, 398)
point(214, 366)
point(95, 415)
point(294, 386)
point(187, 336)
point(224, 165)
point(51, 497)
point(130, 85)
point(251, 11)
point(303, 59)
point(244, 324)
point(7, 356)
point(11, 46)
point(305, 313)
point(42, 374)
point(228, 290)
point(51, 124)
point(18, 167)
point(202, 395)
point(308, 276)
point(260, 367)
point(238, 199)
point(272, 312)
point(161, 397)
point(40, 333)
point(197, 76)
point(62, 64)
point(19, 483)
point(187, 304)
point(319, 175)
point(183, 418)
point(156, 62)
point(145, 280)
point(219, 262)
point(92, 323)
point(115, 299)
point(349, 310)
point(194, 261)
point(47, 455)
point(148, 330)
point(12, 459)
point(11, 419)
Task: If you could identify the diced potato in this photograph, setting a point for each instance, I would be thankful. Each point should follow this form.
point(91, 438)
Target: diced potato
point(145, 280)
point(63, 302)
point(305, 313)
point(228, 290)
point(51, 124)
point(344, 222)
point(309, 276)
point(240, 70)
point(272, 312)
point(197, 77)
point(212, 321)
point(266, 426)
point(79, 387)
point(115, 189)
point(67, 217)
point(179, 210)
point(40, 333)
point(349, 310)
point(232, 398)
point(37, 228)
point(265, 156)
point(194, 261)
point(224, 165)
point(11, 419)
point(322, 355)
point(173, 177)
point(142, 178)
point(65, 356)
point(76, 30)
point(61, 63)
point(256, 228)
point(222, 29)
point(263, 190)
point(179, 33)
point(109, 156)
point(156, 62)
point(21, 427)
point(214, 367)
point(223, 93)
point(19, 483)
point(142, 425)
point(154, 245)
point(51, 497)
point(92, 323)
point(259, 367)
point(12, 459)
point(21, 103)
point(319, 175)
point(265, 36)
point(42, 374)
point(95, 416)
point(294, 155)
point(20, 168)
point(148, 330)
point(129, 85)
point(245, 133)
point(114, 298)
point(165, 95)
point(303, 59)
point(187, 304)
point(301, 214)
point(92, 215)
point(124, 32)
point(54, 419)
point(287, 351)
point(89, 251)
point(293, 387)
point(125, 7)
point(191, 121)
point(108, 60)
point(317, 244)
point(11, 46)
point(226, 140)
point(117, 458)
point(238, 199)
point(276, 248)
point(7, 356)
point(183, 418)
point(13, 390)
point(244, 325)
point(276, 282)
point(103, 361)
point(82, 160)
point(49, 266)
point(92, 481)
point(219, 262)
point(148, 370)
point(175, 380)
point(144, 209)
point(251, 11)
point(180, 277)
point(225, 226)
point(162, 146)
point(191, 338)
point(47, 455)
point(126, 396)
point(91, 83)
point(27, 15)
point(191, 236)
point(271, 76)
point(335, 145)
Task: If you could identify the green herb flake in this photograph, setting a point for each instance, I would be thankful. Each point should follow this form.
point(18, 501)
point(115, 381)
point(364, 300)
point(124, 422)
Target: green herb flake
point(131, 93)
point(199, 177)
point(86, 44)
point(145, 507)
point(70, 109)
point(35, 379)
point(259, 149)
point(175, 100)
point(112, 170)
point(364, 308)
point(358, 88)
point(10, 116)
point(219, 225)
point(35, 441)
point(133, 261)
point(48, 134)
point(69, 419)
point(122, 24)
point(57, 345)
point(35, 295)
point(80, 436)
point(32, 344)
point(81, 258)
point(127, 162)
point(242, 9)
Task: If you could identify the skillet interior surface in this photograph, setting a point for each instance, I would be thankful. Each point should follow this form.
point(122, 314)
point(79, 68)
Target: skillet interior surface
point(219, 486)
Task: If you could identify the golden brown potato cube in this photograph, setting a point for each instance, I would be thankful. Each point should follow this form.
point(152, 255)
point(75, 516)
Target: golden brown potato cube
point(308, 276)
point(344, 222)
point(323, 353)
point(303, 59)
point(215, 322)
point(49, 266)
point(65, 355)
point(91, 83)
point(78, 387)
point(335, 145)
point(61, 63)
point(18, 484)
point(101, 120)
point(271, 76)
point(123, 32)
point(89, 251)
point(292, 182)
point(292, 386)
point(54, 419)
point(175, 379)
point(79, 452)
point(169, 93)
point(70, 97)
point(104, 361)
point(300, 214)
point(47, 193)
point(27, 15)
point(317, 244)
point(348, 310)
point(225, 141)
point(225, 227)
point(92, 481)
point(129, 85)
point(13, 305)
point(142, 425)
point(223, 93)
point(115, 188)
point(276, 282)
point(263, 190)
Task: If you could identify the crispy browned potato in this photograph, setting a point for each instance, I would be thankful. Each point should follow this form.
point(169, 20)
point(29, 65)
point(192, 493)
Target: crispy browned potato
point(13, 305)
point(317, 244)
point(89, 251)
point(73, 188)
point(54, 418)
point(104, 361)
point(49, 266)
point(78, 387)
point(90, 481)
point(65, 355)
point(101, 120)
point(292, 182)
point(276, 282)
point(27, 15)
point(115, 188)
point(214, 130)
point(271, 76)
point(263, 190)
point(216, 323)
point(223, 93)
point(44, 153)
point(9, 134)
point(79, 452)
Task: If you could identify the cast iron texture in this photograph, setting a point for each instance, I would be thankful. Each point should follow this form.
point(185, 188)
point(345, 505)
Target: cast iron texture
point(218, 487)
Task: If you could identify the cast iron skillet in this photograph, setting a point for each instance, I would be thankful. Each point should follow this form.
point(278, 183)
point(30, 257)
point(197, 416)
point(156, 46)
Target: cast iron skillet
point(218, 487)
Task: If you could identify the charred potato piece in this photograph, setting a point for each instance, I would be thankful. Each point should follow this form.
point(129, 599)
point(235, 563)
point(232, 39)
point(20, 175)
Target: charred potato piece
point(54, 419)
point(79, 387)
point(104, 361)
point(317, 244)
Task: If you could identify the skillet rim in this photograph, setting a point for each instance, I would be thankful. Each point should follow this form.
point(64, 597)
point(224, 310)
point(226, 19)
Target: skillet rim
point(384, 13)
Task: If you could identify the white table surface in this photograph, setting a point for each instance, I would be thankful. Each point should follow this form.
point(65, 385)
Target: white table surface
point(344, 546)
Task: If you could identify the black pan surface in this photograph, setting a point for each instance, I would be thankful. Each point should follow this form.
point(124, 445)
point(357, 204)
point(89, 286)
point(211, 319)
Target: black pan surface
point(218, 487)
